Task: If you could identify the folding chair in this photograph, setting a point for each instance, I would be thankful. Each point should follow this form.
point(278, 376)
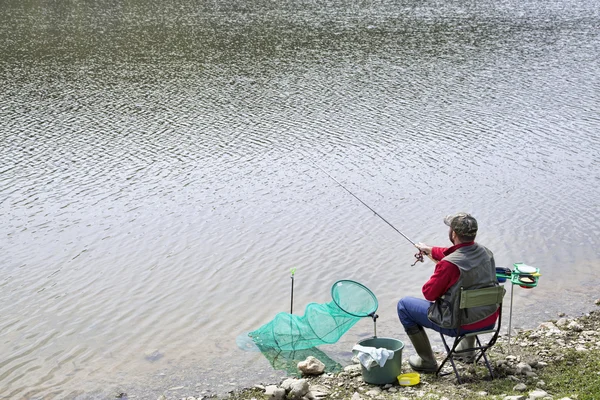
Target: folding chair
point(469, 299)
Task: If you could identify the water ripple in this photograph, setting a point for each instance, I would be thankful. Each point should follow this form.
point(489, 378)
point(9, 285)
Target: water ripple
point(155, 191)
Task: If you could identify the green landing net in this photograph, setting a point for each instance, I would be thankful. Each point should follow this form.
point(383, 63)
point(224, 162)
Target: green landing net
point(321, 323)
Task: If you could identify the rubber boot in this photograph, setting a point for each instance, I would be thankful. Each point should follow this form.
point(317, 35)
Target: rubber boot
point(425, 360)
point(466, 343)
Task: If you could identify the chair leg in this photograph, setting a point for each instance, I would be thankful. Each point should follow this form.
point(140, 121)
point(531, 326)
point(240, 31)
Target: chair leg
point(483, 349)
point(485, 358)
point(449, 357)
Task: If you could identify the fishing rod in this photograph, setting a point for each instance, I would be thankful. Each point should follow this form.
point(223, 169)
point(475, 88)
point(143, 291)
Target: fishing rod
point(418, 256)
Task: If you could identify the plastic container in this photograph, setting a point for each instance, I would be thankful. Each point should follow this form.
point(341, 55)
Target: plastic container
point(525, 276)
point(503, 273)
point(377, 375)
point(409, 379)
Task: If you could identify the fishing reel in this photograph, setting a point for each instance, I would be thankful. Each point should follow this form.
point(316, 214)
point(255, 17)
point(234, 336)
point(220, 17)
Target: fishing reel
point(419, 257)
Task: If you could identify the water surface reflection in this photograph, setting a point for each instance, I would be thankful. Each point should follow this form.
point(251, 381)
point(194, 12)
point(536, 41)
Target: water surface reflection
point(157, 186)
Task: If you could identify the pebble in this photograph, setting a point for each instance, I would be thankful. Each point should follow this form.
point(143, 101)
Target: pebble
point(523, 368)
point(353, 368)
point(311, 366)
point(357, 396)
point(520, 387)
point(575, 326)
point(537, 394)
point(274, 392)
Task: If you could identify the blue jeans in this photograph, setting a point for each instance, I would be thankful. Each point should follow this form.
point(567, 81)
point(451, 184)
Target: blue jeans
point(413, 312)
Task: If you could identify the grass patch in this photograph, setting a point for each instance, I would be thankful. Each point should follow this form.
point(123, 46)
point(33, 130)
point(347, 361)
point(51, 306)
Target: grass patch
point(576, 375)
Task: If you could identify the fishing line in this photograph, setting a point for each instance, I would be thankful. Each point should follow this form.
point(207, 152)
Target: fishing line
point(418, 256)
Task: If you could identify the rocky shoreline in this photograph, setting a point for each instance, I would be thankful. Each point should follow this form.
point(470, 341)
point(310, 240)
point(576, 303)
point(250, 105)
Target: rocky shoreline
point(523, 369)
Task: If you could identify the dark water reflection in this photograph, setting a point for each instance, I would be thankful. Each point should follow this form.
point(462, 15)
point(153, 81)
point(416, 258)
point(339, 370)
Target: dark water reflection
point(156, 184)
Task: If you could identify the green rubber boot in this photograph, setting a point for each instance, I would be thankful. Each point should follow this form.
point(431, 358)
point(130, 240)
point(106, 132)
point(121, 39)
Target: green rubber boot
point(425, 360)
point(468, 356)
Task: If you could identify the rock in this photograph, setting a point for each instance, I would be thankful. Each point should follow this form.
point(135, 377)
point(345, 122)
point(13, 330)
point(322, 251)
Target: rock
point(357, 396)
point(520, 387)
point(320, 388)
point(520, 397)
point(317, 394)
point(575, 326)
point(298, 389)
point(535, 335)
point(153, 356)
point(562, 322)
point(549, 326)
point(274, 392)
point(353, 369)
point(311, 366)
point(537, 394)
point(522, 368)
point(374, 392)
point(287, 384)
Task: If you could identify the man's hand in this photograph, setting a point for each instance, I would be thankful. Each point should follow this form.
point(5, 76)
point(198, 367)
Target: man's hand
point(424, 248)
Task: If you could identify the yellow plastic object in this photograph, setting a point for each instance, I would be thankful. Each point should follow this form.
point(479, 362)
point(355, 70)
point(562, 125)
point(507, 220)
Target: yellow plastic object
point(409, 379)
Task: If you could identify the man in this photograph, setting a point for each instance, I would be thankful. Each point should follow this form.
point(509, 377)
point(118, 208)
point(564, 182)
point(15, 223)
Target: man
point(466, 264)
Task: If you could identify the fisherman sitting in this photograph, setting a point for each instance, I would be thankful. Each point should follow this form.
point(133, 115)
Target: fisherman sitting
point(466, 264)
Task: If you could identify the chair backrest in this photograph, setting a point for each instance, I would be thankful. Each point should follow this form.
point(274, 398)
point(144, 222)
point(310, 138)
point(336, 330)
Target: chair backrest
point(481, 297)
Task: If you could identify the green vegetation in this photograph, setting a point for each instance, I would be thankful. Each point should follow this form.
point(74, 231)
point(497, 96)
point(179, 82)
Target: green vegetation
point(577, 375)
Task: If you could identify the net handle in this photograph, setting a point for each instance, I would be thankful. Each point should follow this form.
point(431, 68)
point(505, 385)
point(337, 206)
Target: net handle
point(363, 287)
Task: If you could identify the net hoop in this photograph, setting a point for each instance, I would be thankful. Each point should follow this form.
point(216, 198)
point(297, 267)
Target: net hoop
point(365, 291)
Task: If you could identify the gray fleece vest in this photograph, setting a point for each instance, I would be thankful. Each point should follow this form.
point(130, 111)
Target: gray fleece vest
point(477, 270)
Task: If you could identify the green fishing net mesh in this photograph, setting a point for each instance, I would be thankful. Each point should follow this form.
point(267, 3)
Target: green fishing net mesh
point(321, 323)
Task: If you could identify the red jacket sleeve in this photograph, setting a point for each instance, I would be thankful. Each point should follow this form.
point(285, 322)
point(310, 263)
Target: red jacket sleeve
point(437, 253)
point(444, 276)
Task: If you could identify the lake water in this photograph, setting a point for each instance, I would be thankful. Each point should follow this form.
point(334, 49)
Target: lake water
point(158, 182)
